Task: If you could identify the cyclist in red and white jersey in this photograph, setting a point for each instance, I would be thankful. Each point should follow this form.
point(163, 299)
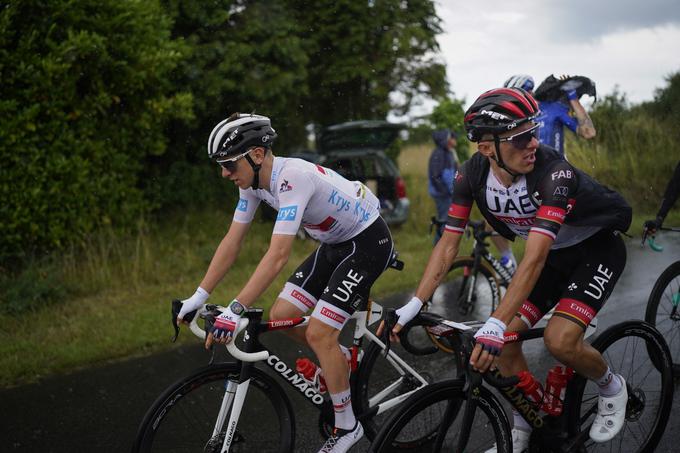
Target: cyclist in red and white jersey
point(573, 256)
point(334, 281)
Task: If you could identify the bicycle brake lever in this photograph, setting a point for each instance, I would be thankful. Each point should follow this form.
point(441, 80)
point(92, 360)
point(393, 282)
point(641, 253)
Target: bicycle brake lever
point(209, 322)
point(176, 307)
point(390, 319)
point(174, 311)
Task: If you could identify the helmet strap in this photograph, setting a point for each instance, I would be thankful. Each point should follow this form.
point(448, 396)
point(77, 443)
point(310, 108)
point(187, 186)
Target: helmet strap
point(256, 171)
point(499, 159)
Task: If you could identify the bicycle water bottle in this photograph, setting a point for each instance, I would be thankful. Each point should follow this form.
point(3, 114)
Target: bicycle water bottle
point(555, 386)
point(531, 388)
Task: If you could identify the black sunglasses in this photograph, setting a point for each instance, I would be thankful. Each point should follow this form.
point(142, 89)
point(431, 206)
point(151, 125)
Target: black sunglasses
point(522, 140)
point(230, 164)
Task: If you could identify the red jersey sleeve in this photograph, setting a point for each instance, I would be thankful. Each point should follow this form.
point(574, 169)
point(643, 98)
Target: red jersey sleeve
point(459, 211)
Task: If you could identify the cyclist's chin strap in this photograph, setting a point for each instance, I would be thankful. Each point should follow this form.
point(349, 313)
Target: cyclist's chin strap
point(499, 159)
point(256, 170)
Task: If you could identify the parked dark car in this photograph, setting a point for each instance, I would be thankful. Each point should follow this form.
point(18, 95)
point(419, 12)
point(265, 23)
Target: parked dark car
point(356, 150)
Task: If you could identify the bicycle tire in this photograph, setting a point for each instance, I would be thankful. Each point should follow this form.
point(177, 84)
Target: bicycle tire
point(183, 417)
point(375, 374)
point(650, 382)
point(490, 425)
point(486, 294)
point(663, 311)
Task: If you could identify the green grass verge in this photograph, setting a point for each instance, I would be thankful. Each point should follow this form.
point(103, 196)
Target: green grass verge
point(120, 288)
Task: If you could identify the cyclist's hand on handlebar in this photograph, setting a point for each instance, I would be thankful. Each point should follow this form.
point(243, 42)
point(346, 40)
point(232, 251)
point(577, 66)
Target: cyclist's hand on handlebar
point(223, 329)
point(652, 225)
point(404, 314)
point(192, 304)
point(490, 342)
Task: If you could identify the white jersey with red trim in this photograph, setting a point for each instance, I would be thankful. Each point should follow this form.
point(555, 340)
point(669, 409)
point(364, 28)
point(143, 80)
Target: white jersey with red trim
point(329, 207)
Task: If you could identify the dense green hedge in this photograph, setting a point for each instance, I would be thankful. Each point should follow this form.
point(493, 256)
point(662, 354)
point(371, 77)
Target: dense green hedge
point(105, 106)
point(84, 99)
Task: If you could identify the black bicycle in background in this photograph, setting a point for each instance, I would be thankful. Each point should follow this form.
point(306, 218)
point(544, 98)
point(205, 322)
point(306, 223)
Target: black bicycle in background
point(474, 281)
point(470, 418)
point(663, 306)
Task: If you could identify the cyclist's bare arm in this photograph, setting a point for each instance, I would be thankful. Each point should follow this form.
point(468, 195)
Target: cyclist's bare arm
point(270, 265)
point(585, 128)
point(438, 265)
point(225, 255)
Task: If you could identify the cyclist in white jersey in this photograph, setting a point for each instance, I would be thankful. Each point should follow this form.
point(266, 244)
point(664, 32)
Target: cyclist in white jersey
point(334, 281)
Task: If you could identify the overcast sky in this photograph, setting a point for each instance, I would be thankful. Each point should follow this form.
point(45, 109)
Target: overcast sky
point(630, 43)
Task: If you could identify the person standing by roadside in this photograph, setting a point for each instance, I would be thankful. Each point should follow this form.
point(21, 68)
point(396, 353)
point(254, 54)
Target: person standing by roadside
point(441, 171)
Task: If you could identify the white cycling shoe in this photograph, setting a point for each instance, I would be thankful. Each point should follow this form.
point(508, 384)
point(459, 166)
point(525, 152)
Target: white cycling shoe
point(342, 439)
point(520, 441)
point(611, 413)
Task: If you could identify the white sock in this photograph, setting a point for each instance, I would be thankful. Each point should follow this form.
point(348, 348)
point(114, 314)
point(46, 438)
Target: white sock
point(609, 383)
point(348, 353)
point(342, 406)
point(518, 422)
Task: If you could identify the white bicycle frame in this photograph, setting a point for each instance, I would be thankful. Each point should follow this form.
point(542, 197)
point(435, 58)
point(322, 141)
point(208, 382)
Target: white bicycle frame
point(235, 393)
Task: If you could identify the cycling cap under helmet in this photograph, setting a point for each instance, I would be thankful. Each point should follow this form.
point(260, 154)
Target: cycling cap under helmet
point(523, 81)
point(499, 110)
point(238, 133)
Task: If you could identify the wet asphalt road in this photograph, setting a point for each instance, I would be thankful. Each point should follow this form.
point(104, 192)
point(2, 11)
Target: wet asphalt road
point(98, 409)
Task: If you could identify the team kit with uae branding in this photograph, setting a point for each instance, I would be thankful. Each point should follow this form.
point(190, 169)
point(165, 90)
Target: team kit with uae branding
point(356, 244)
point(557, 200)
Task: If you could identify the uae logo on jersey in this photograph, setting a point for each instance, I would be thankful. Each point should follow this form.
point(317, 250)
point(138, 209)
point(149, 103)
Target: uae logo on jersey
point(285, 187)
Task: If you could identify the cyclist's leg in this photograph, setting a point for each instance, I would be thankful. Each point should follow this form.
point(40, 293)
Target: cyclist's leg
point(596, 265)
point(504, 248)
point(302, 290)
point(361, 260)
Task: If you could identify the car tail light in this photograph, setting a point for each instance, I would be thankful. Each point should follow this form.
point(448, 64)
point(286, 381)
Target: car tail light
point(400, 187)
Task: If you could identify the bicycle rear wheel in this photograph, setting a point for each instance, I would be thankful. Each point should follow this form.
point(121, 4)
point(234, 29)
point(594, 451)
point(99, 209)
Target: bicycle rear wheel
point(473, 302)
point(184, 416)
point(663, 310)
point(639, 353)
point(441, 405)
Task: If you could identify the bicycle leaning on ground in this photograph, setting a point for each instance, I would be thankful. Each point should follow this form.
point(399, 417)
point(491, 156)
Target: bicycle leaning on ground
point(470, 417)
point(236, 406)
point(663, 306)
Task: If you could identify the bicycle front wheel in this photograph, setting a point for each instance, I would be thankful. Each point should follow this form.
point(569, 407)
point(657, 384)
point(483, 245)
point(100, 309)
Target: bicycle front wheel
point(440, 407)
point(380, 379)
point(473, 293)
point(639, 353)
point(663, 310)
point(184, 417)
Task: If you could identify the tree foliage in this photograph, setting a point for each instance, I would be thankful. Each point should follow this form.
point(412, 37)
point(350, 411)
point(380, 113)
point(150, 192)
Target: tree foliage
point(84, 99)
point(105, 105)
point(361, 53)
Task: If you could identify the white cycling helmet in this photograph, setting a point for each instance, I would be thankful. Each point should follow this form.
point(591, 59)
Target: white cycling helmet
point(238, 133)
point(523, 81)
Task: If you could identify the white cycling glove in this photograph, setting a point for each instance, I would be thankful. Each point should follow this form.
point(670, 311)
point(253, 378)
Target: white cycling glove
point(490, 336)
point(194, 302)
point(409, 311)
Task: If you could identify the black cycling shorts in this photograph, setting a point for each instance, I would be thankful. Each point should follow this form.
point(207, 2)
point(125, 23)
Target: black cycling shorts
point(578, 280)
point(336, 279)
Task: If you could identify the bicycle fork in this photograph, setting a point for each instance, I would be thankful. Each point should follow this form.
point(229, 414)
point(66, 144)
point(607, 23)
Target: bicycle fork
point(232, 403)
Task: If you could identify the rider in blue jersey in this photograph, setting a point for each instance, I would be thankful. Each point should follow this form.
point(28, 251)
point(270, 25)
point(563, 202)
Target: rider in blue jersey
point(555, 115)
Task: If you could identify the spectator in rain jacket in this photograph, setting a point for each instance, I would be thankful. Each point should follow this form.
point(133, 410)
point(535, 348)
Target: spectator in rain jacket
point(441, 171)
